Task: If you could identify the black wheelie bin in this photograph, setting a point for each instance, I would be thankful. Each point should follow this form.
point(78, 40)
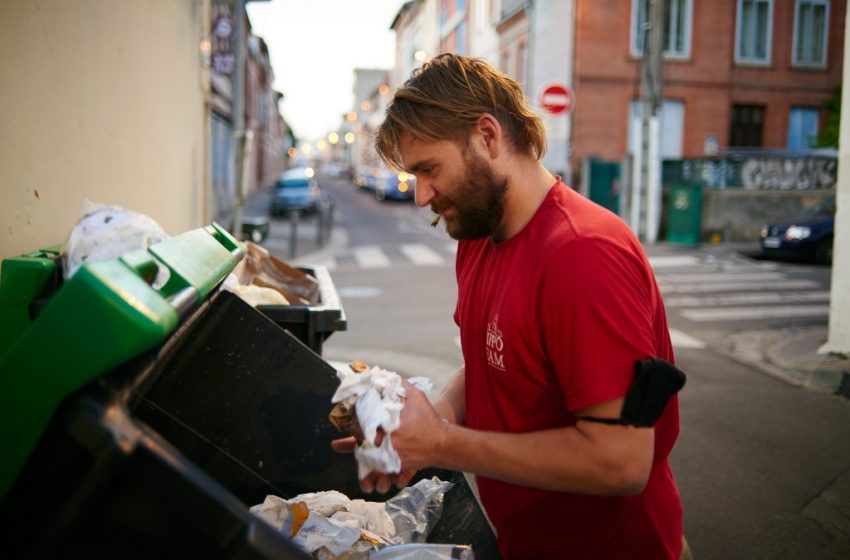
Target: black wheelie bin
point(143, 422)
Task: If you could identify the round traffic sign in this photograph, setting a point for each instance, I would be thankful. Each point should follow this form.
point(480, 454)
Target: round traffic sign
point(557, 99)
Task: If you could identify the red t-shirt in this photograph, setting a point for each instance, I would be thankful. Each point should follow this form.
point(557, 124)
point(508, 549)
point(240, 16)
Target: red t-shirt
point(552, 321)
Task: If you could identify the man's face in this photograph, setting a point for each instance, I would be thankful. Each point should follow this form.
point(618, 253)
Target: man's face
point(458, 184)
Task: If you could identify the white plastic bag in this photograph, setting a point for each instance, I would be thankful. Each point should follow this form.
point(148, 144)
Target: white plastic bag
point(107, 232)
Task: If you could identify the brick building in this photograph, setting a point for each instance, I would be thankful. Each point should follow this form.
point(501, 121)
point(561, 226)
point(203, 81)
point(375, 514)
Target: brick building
point(737, 73)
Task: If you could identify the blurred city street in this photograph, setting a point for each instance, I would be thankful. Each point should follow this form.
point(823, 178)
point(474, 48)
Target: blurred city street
point(145, 406)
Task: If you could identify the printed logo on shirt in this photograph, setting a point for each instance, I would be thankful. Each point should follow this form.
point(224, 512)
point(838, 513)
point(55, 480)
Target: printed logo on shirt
point(495, 345)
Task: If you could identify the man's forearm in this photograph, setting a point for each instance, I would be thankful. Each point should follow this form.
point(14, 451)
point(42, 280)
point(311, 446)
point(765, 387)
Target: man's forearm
point(451, 404)
point(587, 458)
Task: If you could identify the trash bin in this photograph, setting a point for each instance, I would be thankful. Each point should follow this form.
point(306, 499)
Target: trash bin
point(312, 324)
point(685, 214)
point(142, 423)
point(255, 228)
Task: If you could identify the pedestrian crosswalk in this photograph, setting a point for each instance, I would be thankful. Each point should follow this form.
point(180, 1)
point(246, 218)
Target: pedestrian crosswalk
point(386, 256)
point(740, 290)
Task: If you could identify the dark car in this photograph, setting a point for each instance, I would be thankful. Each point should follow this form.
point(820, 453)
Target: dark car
point(296, 189)
point(807, 236)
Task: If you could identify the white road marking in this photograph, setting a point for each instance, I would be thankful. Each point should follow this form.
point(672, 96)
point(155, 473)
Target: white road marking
point(708, 287)
point(422, 255)
point(328, 262)
point(359, 292)
point(371, 256)
point(683, 340)
point(673, 261)
point(747, 299)
point(750, 313)
point(720, 277)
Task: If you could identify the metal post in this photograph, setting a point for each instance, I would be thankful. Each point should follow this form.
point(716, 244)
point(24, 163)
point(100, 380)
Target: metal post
point(293, 232)
point(238, 113)
point(651, 100)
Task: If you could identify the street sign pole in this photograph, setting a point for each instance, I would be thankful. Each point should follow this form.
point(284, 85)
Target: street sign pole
point(646, 199)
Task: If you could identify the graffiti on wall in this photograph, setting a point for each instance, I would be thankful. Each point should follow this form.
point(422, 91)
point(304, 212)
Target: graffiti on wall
point(762, 172)
point(788, 173)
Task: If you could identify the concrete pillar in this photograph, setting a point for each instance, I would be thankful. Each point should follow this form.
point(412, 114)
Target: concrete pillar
point(839, 308)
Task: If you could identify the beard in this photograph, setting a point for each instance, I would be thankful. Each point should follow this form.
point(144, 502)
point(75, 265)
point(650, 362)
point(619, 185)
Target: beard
point(478, 201)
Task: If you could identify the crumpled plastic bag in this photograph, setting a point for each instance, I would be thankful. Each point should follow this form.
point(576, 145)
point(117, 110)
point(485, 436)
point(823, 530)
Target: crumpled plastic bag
point(377, 396)
point(107, 232)
point(416, 509)
point(335, 525)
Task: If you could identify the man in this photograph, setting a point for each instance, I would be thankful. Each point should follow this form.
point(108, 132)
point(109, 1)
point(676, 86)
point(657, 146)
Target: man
point(556, 303)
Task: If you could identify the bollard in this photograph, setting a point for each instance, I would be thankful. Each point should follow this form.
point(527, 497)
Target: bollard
point(293, 232)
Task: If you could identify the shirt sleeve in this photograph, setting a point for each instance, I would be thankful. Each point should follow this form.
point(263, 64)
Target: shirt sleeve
point(597, 319)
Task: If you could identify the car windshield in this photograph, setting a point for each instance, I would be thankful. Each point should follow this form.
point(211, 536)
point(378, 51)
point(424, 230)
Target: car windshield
point(825, 207)
point(293, 183)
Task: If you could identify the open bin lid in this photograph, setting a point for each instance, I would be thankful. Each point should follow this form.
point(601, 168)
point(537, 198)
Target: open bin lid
point(107, 313)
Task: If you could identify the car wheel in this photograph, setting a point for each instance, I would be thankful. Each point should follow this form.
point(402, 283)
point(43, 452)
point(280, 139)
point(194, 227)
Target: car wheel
point(823, 254)
point(380, 195)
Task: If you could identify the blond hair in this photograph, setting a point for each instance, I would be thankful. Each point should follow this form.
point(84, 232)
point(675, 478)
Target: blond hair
point(443, 100)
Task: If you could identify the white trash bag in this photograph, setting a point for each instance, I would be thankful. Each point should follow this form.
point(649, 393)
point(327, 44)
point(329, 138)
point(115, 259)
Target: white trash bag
point(107, 232)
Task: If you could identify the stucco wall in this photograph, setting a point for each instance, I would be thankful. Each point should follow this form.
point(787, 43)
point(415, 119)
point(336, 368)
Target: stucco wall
point(100, 100)
point(739, 214)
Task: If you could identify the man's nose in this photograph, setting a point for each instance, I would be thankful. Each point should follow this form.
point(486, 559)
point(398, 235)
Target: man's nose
point(423, 193)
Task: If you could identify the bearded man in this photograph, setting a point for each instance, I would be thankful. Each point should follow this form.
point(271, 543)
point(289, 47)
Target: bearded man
point(556, 304)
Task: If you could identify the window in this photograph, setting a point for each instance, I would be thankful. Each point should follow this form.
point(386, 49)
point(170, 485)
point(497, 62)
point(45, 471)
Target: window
point(521, 56)
point(460, 38)
point(746, 127)
point(677, 27)
point(672, 117)
point(811, 28)
point(754, 31)
point(802, 127)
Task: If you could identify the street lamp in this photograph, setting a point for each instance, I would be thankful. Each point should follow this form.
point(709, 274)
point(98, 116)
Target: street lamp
point(333, 138)
point(349, 137)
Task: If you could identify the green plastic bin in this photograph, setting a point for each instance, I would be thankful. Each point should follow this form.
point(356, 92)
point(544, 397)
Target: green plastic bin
point(107, 313)
point(685, 214)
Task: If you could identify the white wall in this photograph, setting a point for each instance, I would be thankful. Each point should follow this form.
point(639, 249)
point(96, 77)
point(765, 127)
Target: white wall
point(839, 307)
point(101, 100)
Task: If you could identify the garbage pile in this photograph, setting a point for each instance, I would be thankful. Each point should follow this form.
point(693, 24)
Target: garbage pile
point(329, 525)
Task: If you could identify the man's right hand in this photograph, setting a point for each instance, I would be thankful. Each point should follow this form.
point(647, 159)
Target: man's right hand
point(374, 480)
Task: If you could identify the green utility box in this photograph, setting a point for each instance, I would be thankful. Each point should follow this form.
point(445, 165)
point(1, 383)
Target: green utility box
point(685, 214)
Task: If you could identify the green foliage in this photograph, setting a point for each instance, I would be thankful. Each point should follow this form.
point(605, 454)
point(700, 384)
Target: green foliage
point(828, 137)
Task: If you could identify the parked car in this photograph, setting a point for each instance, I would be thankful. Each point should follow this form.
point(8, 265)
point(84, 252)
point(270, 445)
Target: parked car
point(807, 236)
point(296, 189)
point(393, 186)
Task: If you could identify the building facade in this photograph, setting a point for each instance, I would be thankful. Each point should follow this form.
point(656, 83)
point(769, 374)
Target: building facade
point(737, 74)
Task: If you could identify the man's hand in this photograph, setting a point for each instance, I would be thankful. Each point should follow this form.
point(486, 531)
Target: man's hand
point(374, 480)
point(421, 437)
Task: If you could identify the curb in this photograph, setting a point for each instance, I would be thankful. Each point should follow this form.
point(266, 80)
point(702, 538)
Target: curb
point(767, 351)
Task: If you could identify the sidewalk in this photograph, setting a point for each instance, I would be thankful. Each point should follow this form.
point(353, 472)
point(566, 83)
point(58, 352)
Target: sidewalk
point(789, 354)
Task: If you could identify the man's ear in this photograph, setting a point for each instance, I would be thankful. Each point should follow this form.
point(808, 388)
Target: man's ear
point(488, 132)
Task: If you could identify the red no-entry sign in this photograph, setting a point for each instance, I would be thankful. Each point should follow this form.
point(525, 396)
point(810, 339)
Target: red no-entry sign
point(557, 99)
